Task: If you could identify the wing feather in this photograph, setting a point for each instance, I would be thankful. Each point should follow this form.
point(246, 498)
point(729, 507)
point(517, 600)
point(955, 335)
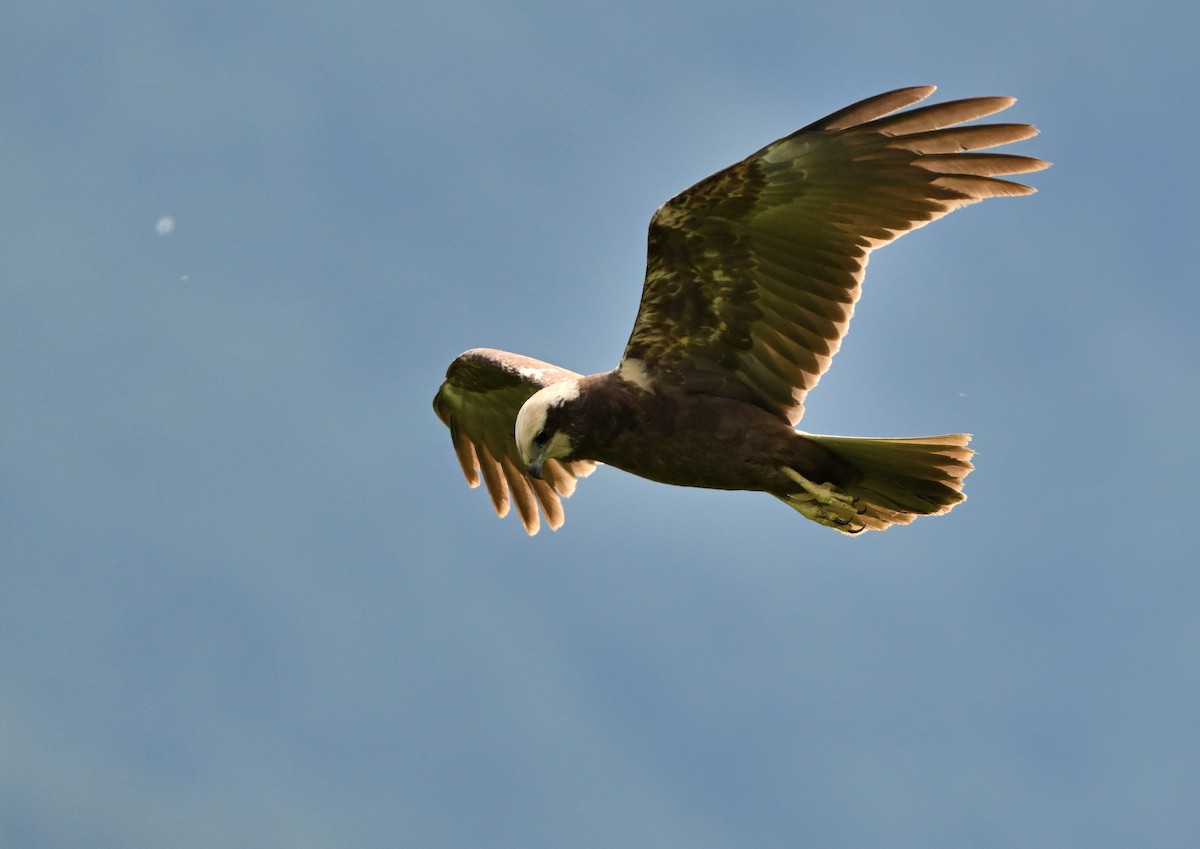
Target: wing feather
point(520, 489)
point(551, 504)
point(464, 449)
point(479, 400)
point(873, 107)
point(493, 477)
point(752, 274)
point(938, 115)
point(979, 164)
point(967, 138)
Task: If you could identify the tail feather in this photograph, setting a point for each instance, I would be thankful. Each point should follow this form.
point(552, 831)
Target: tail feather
point(901, 478)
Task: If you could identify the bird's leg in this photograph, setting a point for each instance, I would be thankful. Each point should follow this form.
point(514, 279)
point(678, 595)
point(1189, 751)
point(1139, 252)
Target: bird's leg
point(823, 504)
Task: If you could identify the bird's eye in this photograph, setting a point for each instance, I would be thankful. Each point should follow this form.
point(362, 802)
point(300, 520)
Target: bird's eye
point(541, 438)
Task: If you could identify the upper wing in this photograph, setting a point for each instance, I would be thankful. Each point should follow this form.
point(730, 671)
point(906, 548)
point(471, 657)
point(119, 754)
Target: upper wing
point(479, 400)
point(753, 273)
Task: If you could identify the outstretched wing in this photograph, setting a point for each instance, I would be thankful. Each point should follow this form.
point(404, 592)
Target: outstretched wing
point(753, 273)
point(479, 400)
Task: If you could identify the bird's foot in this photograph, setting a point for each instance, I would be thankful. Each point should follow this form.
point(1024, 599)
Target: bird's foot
point(824, 504)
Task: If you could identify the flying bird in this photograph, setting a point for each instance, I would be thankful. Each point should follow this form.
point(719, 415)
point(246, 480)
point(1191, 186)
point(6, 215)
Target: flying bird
point(751, 278)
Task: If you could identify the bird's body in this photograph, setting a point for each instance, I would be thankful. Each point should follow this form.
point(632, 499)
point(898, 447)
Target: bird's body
point(685, 439)
point(751, 278)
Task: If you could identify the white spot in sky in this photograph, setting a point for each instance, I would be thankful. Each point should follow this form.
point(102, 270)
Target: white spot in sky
point(165, 226)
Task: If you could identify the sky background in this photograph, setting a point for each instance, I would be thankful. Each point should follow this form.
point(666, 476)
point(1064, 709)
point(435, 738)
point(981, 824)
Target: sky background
point(248, 599)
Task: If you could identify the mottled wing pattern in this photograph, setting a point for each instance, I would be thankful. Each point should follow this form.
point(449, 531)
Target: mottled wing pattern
point(753, 273)
point(479, 400)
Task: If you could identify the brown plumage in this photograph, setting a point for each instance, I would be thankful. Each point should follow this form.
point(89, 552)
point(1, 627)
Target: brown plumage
point(751, 278)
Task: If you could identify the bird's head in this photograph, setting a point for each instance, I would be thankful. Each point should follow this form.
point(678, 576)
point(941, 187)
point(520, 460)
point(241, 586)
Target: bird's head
point(539, 432)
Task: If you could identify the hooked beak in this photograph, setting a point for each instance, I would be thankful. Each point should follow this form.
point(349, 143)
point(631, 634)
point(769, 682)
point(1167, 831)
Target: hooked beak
point(534, 469)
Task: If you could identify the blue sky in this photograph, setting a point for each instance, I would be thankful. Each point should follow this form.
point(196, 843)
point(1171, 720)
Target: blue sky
point(249, 599)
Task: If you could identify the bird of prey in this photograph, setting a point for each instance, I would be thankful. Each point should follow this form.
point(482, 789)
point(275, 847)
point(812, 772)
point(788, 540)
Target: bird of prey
point(751, 278)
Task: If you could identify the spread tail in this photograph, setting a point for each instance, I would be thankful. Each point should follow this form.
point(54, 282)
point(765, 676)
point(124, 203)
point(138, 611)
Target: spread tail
point(901, 480)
